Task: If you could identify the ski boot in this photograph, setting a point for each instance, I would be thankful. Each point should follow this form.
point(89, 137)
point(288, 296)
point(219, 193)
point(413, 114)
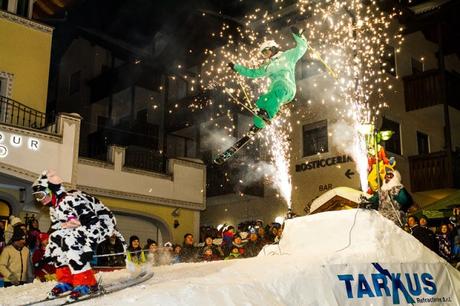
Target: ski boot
point(59, 289)
point(81, 291)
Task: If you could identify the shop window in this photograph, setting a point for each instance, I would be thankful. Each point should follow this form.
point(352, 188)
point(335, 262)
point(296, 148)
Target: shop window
point(423, 143)
point(417, 66)
point(393, 144)
point(389, 60)
point(74, 85)
point(315, 138)
point(23, 8)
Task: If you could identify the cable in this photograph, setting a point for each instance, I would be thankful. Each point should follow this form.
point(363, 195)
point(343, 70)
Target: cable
point(349, 232)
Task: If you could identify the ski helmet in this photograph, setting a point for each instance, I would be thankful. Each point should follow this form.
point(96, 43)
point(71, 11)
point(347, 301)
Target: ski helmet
point(269, 44)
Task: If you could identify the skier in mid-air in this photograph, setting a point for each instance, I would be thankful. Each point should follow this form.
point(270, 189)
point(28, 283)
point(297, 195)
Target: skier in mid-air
point(80, 222)
point(280, 69)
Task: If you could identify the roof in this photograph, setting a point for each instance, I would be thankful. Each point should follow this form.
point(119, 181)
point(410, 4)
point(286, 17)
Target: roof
point(347, 193)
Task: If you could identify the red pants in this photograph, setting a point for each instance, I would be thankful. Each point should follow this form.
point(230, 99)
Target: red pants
point(64, 275)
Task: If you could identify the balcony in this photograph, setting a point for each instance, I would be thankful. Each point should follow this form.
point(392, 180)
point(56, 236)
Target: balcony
point(17, 114)
point(428, 172)
point(425, 90)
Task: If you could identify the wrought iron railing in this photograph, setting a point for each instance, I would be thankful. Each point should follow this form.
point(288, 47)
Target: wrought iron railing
point(15, 113)
point(146, 159)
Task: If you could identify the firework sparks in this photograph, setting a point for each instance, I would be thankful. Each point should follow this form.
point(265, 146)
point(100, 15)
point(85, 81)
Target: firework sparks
point(347, 41)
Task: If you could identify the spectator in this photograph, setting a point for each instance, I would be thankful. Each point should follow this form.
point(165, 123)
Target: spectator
point(208, 254)
point(112, 245)
point(273, 231)
point(14, 261)
point(177, 249)
point(151, 250)
point(445, 245)
point(216, 250)
point(33, 241)
point(234, 253)
point(188, 252)
point(15, 222)
point(135, 253)
point(423, 221)
point(238, 243)
point(262, 237)
point(165, 254)
point(423, 234)
point(227, 239)
point(43, 270)
point(254, 245)
point(278, 235)
point(2, 235)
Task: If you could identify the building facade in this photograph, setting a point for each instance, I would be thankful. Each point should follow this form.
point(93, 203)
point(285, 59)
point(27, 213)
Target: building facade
point(161, 206)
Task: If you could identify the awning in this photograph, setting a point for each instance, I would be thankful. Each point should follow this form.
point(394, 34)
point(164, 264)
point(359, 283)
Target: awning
point(443, 207)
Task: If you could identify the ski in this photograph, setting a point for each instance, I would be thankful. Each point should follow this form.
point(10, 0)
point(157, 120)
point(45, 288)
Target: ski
point(103, 290)
point(227, 154)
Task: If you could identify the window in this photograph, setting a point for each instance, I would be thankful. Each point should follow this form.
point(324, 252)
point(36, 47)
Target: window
point(315, 138)
point(417, 66)
point(3, 82)
point(422, 143)
point(74, 85)
point(4, 5)
point(23, 8)
point(393, 144)
point(388, 60)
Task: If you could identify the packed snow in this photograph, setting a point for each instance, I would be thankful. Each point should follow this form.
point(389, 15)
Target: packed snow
point(295, 272)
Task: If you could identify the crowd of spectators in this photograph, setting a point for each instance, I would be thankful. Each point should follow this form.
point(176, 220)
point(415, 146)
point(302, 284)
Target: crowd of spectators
point(22, 246)
point(443, 239)
point(215, 244)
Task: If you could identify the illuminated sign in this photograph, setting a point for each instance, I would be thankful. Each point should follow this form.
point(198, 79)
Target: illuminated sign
point(17, 141)
point(321, 163)
point(3, 151)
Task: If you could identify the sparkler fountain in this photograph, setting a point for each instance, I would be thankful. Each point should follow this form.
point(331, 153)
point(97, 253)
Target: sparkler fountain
point(347, 37)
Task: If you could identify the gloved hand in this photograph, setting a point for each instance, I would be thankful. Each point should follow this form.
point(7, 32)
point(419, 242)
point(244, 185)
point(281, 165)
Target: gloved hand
point(231, 65)
point(72, 223)
point(296, 31)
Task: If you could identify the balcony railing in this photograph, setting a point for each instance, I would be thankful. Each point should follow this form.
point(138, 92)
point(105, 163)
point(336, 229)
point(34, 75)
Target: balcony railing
point(425, 89)
point(145, 159)
point(18, 114)
point(430, 171)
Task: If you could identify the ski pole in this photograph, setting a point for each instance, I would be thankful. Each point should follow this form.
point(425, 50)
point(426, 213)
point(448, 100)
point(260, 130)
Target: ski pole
point(245, 94)
point(237, 101)
point(328, 68)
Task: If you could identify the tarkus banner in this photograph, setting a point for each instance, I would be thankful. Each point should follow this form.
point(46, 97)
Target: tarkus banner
point(391, 284)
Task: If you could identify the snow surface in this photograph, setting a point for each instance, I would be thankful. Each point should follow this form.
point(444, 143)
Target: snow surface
point(291, 273)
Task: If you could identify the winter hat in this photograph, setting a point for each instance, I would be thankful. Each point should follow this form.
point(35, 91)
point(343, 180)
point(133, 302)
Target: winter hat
point(15, 221)
point(18, 235)
point(48, 180)
point(132, 238)
point(168, 245)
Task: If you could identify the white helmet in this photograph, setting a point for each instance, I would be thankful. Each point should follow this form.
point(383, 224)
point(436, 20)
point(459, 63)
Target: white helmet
point(268, 44)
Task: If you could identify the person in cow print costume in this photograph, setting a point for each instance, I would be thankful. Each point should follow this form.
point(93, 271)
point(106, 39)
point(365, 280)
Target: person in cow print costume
point(80, 222)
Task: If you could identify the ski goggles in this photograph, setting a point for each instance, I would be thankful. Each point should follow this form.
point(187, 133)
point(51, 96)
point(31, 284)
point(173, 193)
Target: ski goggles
point(41, 195)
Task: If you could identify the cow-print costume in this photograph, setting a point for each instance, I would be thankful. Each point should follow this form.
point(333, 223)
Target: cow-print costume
point(75, 247)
